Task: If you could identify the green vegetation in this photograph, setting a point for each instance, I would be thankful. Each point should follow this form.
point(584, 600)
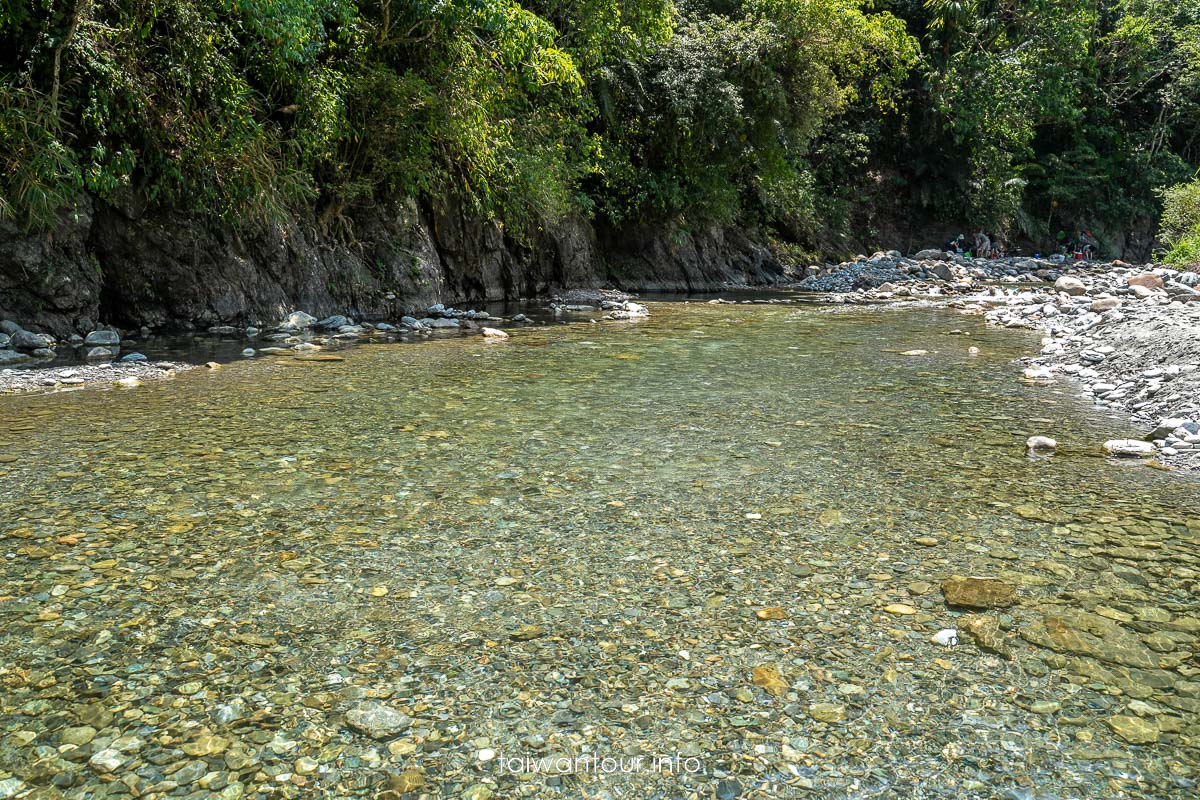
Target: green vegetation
point(1181, 224)
point(799, 117)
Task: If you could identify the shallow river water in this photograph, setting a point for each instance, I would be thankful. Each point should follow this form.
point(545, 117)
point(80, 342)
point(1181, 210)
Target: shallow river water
point(449, 570)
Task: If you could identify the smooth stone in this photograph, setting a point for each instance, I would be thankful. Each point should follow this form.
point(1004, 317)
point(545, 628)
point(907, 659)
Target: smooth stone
point(946, 637)
point(978, 592)
point(27, 340)
point(1040, 443)
point(1129, 448)
point(1071, 286)
point(102, 337)
point(1134, 730)
point(827, 712)
point(11, 357)
point(299, 319)
point(728, 789)
point(78, 735)
point(377, 721)
point(1146, 280)
point(107, 760)
point(984, 632)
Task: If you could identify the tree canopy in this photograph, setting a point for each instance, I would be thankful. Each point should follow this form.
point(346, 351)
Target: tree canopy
point(795, 116)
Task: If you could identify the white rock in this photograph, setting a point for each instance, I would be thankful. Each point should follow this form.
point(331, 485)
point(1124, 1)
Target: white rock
point(129, 382)
point(947, 637)
point(1129, 448)
point(1038, 374)
point(299, 319)
point(494, 334)
point(107, 760)
point(1040, 443)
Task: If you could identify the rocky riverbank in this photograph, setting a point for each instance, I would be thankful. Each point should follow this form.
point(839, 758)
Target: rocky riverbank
point(1131, 337)
point(112, 358)
point(890, 274)
point(1129, 334)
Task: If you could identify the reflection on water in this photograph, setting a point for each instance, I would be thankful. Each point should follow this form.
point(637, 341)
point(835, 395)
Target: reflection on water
point(556, 546)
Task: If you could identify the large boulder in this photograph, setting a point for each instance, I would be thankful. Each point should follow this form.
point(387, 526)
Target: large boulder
point(333, 323)
point(299, 319)
point(1129, 448)
point(1167, 426)
point(102, 338)
point(9, 357)
point(930, 254)
point(1071, 286)
point(27, 340)
point(1146, 279)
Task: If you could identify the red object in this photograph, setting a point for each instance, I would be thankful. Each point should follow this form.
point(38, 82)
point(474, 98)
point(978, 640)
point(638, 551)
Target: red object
point(1078, 256)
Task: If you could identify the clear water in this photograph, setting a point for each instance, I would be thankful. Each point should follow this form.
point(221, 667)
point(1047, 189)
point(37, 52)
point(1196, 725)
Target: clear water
point(554, 547)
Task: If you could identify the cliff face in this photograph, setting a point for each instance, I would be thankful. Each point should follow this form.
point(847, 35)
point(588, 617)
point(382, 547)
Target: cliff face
point(131, 267)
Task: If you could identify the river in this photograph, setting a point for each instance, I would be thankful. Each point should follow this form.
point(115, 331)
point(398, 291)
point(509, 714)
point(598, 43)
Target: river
point(451, 569)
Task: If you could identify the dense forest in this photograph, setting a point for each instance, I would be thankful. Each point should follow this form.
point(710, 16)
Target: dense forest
point(819, 122)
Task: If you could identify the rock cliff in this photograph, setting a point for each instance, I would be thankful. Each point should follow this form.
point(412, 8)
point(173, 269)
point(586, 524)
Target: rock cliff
point(131, 266)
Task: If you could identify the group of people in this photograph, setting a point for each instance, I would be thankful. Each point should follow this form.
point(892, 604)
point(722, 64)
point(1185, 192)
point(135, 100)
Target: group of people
point(985, 246)
point(1082, 247)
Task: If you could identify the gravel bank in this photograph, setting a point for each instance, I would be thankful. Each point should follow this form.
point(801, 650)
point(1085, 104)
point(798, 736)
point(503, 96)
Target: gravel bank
point(1130, 334)
point(124, 375)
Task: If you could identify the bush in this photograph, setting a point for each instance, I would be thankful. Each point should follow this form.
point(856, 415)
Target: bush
point(1181, 223)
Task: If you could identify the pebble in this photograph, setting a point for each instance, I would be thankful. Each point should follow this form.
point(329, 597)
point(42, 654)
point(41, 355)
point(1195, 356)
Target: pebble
point(827, 712)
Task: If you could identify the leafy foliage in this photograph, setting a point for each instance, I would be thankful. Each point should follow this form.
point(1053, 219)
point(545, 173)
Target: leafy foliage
point(805, 117)
point(1181, 223)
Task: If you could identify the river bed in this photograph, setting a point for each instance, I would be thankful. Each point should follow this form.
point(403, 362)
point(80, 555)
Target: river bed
point(717, 536)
